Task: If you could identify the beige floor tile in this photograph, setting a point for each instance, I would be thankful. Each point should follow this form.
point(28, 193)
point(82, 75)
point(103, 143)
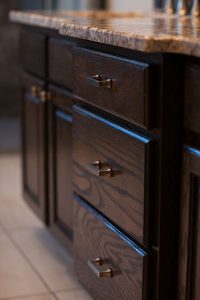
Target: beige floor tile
point(16, 276)
point(48, 257)
point(73, 295)
point(10, 174)
point(16, 214)
point(37, 297)
point(13, 210)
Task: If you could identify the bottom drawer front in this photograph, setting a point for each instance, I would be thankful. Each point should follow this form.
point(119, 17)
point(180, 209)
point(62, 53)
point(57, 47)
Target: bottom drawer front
point(120, 272)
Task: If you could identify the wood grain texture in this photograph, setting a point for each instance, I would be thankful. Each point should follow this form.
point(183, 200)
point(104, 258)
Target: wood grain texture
point(93, 239)
point(129, 95)
point(34, 148)
point(121, 198)
point(60, 166)
point(60, 62)
point(192, 97)
point(189, 253)
point(32, 55)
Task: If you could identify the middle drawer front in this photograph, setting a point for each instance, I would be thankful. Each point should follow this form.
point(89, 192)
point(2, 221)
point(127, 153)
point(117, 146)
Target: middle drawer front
point(117, 185)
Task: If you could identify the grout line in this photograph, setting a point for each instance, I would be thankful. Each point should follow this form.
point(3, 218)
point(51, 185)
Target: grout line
point(27, 259)
point(68, 290)
point(55, 296)
point(20, 228)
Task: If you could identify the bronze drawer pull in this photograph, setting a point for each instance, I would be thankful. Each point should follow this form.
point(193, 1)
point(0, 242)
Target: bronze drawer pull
point(98, 81)
point(96, 265)
point(44, 96)
point(105, 172)
point(35, 90)
point(101, 169)
point(97, 164)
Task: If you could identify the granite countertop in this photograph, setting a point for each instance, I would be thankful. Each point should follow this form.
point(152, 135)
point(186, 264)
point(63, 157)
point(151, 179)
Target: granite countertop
point(152, 32)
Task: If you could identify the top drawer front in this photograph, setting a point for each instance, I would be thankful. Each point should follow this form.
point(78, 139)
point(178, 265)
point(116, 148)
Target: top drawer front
point(192, 98)
point(60, 62)
point(33, 52)
point(122, 198)
point(128, 94)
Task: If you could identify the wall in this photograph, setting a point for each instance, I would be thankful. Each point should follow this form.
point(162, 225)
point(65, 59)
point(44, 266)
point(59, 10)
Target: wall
point(120, 5)
point(9, 80)
point(127, 5)
point(77, 4)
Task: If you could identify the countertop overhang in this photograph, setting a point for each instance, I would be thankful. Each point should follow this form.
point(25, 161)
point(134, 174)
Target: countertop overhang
point(148, 32)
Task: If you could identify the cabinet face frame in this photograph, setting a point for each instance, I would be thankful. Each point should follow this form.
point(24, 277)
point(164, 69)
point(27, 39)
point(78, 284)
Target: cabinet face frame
point(37, 199)
point(59, 114)
point(189, 250)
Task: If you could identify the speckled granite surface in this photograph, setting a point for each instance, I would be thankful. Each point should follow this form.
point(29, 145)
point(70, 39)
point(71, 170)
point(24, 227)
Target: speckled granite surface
point(149, 32)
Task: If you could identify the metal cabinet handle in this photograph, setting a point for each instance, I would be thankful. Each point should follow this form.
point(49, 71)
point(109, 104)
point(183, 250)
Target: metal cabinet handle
point(96, 265)
point(196, 8)
point(102, 169)
point(183, 7)
point(35, 90)
point(98, 81)
point(44, 96)
point(97, 164)
point(170, 7)
point(105, 172)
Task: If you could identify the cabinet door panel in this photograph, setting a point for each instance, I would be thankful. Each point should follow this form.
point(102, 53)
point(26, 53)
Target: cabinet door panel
point(63, 162)
point(189, 264)
point(60, 161)
point(34, 147)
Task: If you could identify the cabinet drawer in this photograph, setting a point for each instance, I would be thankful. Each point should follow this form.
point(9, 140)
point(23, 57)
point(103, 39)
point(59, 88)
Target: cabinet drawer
point(97, 238)
point(192, 98)
point(121, 88)
point(60, 62)
point(123, 197)
point(33, 52)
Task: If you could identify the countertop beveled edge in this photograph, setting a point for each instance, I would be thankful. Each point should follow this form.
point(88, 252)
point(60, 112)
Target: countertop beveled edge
point(162, 43)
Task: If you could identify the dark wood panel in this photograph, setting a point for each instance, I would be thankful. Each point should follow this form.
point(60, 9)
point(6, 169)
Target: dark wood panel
point(61, 62)
point(32, 55)
point(192, 97)
point(34, 148)
point(9, 60)
point(124, 196)
point(129, 95)
point(94, 238)
point(60, 165)
point(189, 254)
point(168, 174)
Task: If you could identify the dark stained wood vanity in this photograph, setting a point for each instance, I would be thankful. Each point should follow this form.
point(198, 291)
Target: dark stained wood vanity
point(111, 162)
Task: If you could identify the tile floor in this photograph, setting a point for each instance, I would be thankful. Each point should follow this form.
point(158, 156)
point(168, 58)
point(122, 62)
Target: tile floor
point(33, 265)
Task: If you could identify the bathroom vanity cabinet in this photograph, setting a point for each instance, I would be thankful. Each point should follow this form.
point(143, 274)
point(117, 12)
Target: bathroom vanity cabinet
point(111, 162)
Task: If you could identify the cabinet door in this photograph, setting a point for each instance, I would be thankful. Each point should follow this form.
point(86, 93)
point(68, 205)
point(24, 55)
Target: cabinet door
point(60, 165)
point(34, 146)
point(189, 264)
